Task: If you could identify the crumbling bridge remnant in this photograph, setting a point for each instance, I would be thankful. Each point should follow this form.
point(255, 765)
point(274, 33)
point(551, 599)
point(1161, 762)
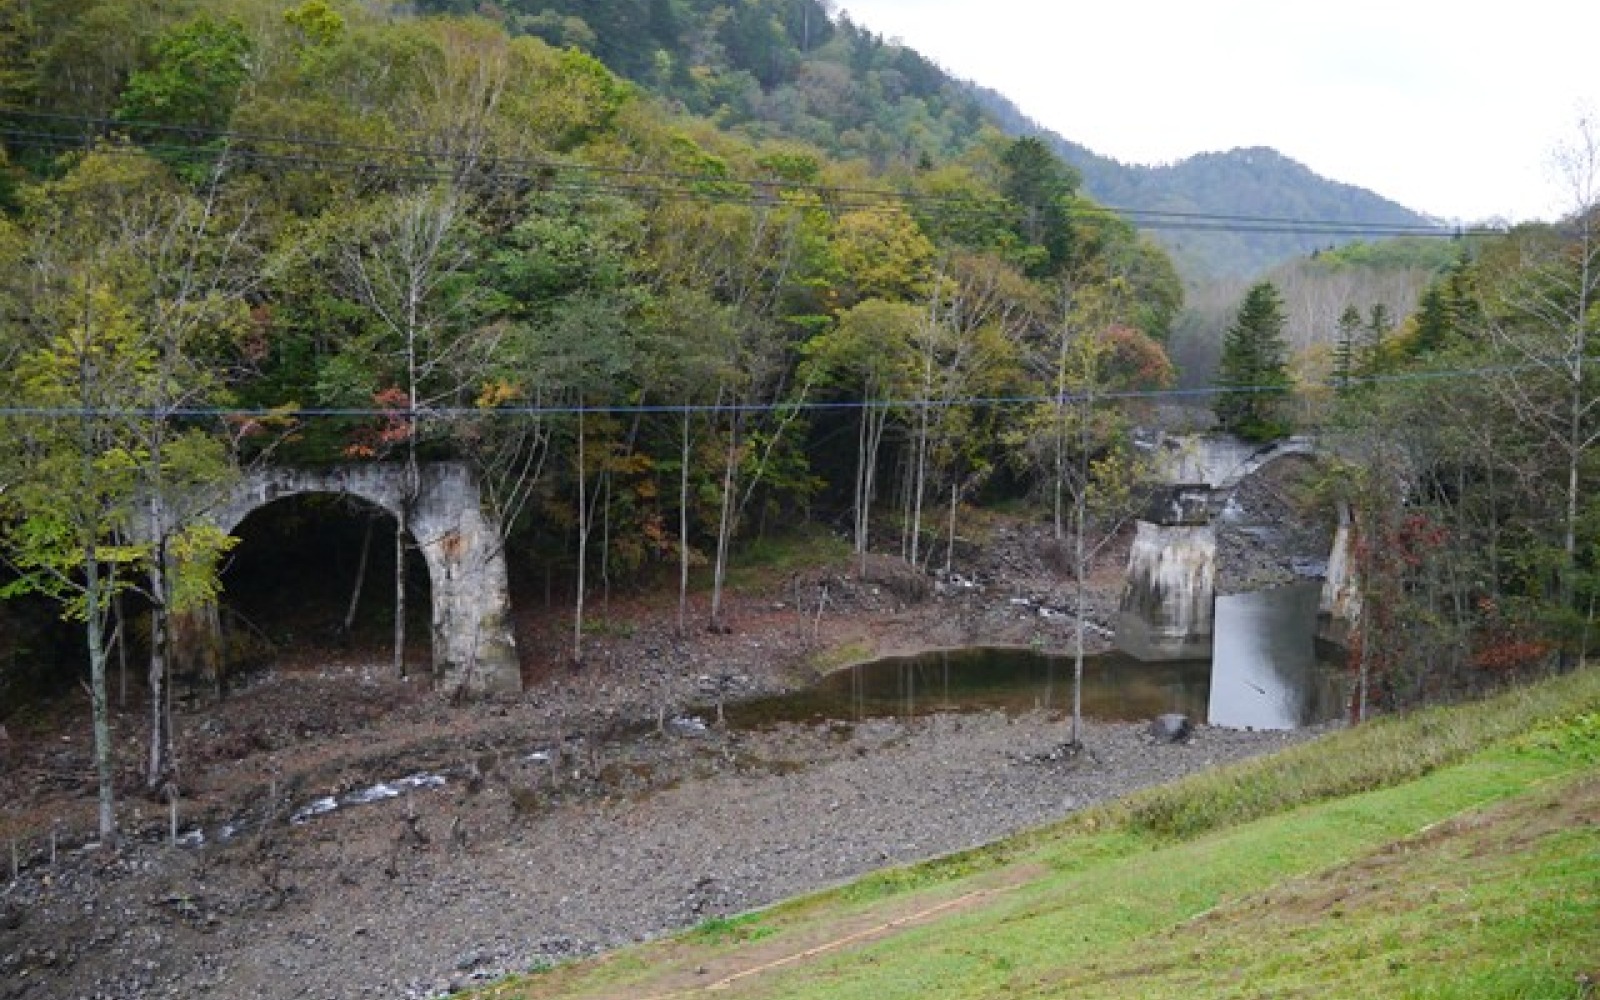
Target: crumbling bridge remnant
point(1168, 603)
point(473, 648)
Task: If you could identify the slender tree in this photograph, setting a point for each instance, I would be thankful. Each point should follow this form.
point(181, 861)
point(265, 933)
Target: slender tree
point(71, 482)
point(1543, 324)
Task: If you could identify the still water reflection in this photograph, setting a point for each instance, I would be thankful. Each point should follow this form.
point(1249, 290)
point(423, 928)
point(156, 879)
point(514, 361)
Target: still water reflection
point(1115, 686)
point(1273, 681)
point(1267, 672)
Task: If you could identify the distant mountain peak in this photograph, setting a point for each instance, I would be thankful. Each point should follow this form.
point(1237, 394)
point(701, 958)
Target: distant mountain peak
point(1246, 182)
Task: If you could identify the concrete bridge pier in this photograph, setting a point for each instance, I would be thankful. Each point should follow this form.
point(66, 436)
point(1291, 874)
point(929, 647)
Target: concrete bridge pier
point(1167, 610)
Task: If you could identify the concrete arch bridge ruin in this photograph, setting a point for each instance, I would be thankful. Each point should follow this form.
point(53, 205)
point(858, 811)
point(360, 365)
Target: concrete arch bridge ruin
point(474, 651)
point(1168, 608)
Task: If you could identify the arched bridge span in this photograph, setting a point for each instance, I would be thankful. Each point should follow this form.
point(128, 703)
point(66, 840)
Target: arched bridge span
point(1221, 461)
point(473, 647)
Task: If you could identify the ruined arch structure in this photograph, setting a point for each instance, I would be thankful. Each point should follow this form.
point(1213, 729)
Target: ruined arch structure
point(1168, 602)
point(473, 648)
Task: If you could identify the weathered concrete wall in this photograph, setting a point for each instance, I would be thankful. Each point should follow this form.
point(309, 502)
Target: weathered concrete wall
point(1340, 603)
point(473, 648)
point(1167, 604)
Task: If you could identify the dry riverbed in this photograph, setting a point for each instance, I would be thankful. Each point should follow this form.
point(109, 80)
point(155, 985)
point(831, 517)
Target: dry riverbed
point(354, 836)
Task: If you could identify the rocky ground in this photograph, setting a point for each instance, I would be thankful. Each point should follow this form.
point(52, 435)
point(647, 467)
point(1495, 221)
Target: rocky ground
point(348, 835)
point(1270, 534)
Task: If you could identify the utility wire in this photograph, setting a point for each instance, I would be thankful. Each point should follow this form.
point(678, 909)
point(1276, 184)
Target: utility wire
point(458, 412)
point(665, 183)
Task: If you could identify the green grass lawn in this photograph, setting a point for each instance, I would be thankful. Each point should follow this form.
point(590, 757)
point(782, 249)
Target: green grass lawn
point(1454, 853)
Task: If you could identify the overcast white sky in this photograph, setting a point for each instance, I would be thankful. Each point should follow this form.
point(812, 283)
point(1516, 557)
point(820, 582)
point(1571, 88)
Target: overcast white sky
point(1450, 107)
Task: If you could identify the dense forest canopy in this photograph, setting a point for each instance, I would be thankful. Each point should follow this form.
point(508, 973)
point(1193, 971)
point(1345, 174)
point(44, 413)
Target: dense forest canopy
point(258, 231)
point(791, 68)
point(646, 264)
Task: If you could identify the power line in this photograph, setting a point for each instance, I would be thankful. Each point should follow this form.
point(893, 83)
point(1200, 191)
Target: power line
point(666, 183)
point(462, 412)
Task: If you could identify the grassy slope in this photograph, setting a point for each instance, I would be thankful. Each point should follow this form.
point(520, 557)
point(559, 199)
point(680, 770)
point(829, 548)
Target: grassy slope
point(1455, 853)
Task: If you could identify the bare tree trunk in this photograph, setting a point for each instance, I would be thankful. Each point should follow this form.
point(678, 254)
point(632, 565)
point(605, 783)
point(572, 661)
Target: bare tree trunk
point(869, 443)
point(1080, 564)
point(158, 769)
point(921, 481)
point(1061, 436)
point(863, 487)
point(119, 636)
point(158, 763)
point(907, 478)
point(719, 571)
point(400, 593)
point(361, 578)
point(94, 627)
point(583, 547)
point(605, 545)
point(683, 528)
point(950, 542)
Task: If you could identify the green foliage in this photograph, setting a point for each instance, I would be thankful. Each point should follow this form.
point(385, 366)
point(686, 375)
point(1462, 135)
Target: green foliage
point(731, 930)
point(200, 68)
point(447, 215)
point(1346, 361)
point(1449, 313)
point(1577, 738)
point(1040, 188)
point(1403, 253)
point(318, 24)
point(1253, 374)
point(881, 253)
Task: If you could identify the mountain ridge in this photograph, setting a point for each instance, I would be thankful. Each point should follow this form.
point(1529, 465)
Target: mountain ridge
point(1253, 181)
point(805, 70)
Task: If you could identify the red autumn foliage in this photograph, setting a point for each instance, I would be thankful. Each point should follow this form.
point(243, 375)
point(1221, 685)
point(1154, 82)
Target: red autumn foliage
point(393, 427)
point(1504, 644)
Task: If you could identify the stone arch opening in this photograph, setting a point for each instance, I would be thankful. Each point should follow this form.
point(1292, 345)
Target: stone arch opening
point(473, 651)
point(1269, 531)
point(313, 576)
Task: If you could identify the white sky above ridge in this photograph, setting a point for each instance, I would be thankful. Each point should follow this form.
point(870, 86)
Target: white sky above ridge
point(1452, 109)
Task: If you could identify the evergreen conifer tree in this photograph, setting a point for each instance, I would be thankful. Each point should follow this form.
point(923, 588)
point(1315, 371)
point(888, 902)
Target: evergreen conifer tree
point(1254, 371)
point(1347, 349)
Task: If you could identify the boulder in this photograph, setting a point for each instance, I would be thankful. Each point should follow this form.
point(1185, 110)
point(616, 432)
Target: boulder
point(1171, 728)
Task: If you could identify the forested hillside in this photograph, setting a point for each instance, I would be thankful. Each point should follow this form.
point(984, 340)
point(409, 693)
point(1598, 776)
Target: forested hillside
point(777, 68)
point(1384, 280)
point(252, 231)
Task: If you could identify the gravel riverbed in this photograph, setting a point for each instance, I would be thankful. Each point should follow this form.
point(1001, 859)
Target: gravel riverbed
point(585, 814)
point(536, 853)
